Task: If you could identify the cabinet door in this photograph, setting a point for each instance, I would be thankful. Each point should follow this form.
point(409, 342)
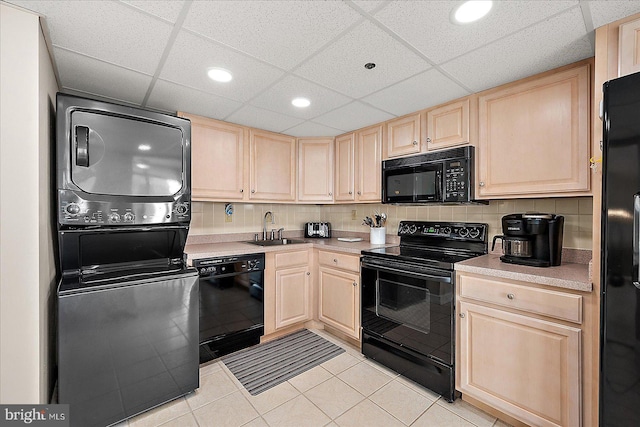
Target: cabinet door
point(217, 159)
point(525, 367)
point(315, 170)
point(403, 136)
point(629, 48)
point(369, 168)
point(345, 167)
point(292, 296)
point(534, 137)
point(339, 300)
point(448, 125)
point(272, 166)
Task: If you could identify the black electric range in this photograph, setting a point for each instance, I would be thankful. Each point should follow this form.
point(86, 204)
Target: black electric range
point(408, 299)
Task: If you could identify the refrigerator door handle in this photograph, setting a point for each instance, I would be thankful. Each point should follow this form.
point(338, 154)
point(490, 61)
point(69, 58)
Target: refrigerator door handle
point(636, 241)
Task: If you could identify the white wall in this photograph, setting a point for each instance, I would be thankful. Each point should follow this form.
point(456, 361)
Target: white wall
point(27, 88)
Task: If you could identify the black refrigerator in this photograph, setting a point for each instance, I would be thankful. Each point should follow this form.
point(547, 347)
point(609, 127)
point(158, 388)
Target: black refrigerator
point(620, 298)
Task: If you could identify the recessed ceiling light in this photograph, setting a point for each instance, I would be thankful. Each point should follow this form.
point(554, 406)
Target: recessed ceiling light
point(144, 147)
point(470, 11)
point(301, 102)
point(219, 75)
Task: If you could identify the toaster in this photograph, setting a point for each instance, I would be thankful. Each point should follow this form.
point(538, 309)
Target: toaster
point(317, 229)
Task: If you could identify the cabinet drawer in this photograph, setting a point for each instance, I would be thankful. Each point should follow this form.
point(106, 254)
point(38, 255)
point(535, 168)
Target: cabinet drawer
point(289, 259)
point(338, 260)
point(545, 302)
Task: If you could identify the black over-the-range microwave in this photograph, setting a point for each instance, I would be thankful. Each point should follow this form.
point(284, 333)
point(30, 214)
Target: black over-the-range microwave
point(440, 177)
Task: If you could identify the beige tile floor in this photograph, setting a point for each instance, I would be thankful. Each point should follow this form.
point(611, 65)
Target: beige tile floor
point(348, 390)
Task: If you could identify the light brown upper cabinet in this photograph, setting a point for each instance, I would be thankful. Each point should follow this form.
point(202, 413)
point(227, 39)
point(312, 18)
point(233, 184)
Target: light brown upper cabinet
point(358, 164)
point(448, 125)
point(217, 159)
point(345, 168)
point(368, 172)
point(272, 166)
point(315, 169)
point(629, 48)
point(534, 136)
point(402, 136)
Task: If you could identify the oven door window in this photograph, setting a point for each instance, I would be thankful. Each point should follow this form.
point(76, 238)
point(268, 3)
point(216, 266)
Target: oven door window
point(404, 303)
point(414, 184)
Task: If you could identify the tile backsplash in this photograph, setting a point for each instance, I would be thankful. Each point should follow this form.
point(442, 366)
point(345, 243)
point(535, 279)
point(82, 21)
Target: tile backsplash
point(210, 218)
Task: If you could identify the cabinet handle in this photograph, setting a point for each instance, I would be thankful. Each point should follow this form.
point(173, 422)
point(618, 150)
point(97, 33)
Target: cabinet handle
point(428, 139)
point(355, 284)
point(330, 193)
point(481, 183)
point(359, 193)
point(415, 143)
point(511, 296)
point(308, 273)
point(241, 190)
point(462, 315)
point(335, 260)
point(253, 191)
point(350, 192)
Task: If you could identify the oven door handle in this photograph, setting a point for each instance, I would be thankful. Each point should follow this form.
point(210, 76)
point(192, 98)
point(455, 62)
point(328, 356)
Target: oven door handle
point(443, 279)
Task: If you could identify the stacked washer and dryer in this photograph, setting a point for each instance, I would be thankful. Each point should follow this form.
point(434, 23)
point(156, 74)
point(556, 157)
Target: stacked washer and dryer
point(127, 315)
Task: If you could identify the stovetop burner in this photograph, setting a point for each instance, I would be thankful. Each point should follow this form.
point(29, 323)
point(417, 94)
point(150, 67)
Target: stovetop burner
point(437, 244)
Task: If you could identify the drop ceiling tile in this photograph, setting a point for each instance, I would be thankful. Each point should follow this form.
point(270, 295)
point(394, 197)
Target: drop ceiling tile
point(310, 129)
point(416, 93)
point(191, 56)
point(282, 33)
point(550, 44)
point(279, 96)
point(353, 116)
point(105, 30)
point(262, 119)
point(369, 5)
point(426, 24)
point(604, 12)
point(79, 72)
point(341, 65)
point(164, 9)
point(172, 97)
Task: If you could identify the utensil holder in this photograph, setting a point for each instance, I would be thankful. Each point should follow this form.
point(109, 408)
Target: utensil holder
point(378, 235)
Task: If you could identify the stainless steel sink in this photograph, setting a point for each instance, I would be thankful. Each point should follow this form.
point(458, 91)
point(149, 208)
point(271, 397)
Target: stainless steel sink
point(276, 242)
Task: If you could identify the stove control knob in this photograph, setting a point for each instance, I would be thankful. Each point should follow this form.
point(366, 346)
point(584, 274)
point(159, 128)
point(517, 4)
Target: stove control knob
point(114, 217)
point(463, 232)
point(474, 233)
point(128, 217)
point(446, 230)
point(404, 229)
point(72, 209)
point(413, 229)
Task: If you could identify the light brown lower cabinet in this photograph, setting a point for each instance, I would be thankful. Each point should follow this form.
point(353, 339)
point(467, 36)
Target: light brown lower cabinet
point(339, 292)
point(287, 293)
point(515, 360)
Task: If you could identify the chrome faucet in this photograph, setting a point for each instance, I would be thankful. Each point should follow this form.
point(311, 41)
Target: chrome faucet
point(280, 230)
point(264, 224)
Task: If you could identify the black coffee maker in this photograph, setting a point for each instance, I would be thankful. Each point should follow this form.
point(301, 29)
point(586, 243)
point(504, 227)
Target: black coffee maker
point(533, 239)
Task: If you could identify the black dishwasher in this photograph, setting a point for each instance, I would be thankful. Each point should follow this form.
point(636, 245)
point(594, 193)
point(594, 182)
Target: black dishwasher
point(231, 303)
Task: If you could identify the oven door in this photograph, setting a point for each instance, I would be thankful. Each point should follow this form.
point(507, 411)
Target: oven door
point(412, 184)
point(410, 305)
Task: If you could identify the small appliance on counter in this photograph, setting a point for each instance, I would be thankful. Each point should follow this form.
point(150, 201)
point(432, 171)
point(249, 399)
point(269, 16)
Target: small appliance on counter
point(317, 229)
point(533, 239)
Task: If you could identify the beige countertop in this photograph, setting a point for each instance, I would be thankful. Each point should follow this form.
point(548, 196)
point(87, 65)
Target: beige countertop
point(567, 275)
point(209, 250)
